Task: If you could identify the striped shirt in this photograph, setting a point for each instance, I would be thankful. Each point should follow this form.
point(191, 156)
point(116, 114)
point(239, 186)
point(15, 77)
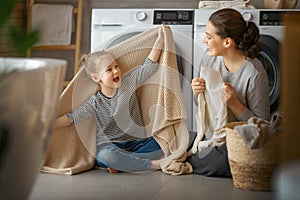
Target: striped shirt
point(118, 118)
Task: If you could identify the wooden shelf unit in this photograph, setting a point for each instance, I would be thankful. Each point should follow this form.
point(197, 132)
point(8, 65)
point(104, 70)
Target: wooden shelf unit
point(77, 11)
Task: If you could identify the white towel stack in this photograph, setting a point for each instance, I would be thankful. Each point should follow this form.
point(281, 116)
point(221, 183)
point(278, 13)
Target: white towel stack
point(54, 23)
point(216, 4)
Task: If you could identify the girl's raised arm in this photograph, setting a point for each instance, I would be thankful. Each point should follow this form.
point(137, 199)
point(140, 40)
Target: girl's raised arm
point(157, 47)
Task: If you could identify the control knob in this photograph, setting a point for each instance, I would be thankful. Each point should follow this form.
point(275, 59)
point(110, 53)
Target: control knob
point(140, 15)
point(247, 16)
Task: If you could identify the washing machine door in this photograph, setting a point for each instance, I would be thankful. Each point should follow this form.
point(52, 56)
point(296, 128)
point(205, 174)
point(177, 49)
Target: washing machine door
point(269, 57)
point(126, 36)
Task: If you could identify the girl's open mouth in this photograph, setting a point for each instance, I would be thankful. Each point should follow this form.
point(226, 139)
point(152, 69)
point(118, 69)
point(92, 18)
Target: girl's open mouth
point(116, 79)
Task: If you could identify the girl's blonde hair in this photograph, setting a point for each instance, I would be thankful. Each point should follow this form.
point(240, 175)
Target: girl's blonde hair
point(90, 62)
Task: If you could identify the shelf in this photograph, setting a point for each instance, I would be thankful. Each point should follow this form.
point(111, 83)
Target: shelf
point(77, 11)
point(56, 47)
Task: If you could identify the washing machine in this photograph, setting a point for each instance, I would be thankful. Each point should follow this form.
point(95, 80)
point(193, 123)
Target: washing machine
point(271, 29)
point(112, 26)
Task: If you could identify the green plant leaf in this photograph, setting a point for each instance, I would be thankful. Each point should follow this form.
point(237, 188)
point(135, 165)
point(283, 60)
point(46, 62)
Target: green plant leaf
point(19, 36)
point(23, 40)
point(6, 9)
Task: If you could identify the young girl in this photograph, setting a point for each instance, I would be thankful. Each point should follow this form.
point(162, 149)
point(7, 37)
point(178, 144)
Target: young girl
point(121, 145)
point(233, 45)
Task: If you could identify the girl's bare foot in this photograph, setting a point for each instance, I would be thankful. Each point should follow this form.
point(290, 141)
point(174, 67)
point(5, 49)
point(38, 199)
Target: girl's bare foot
point(155, 164)
point(112, 170)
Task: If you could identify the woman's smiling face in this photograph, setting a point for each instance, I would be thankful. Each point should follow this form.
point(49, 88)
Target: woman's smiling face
point(214, 42)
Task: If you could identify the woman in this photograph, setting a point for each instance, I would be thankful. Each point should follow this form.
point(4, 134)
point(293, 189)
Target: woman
point(233, 45)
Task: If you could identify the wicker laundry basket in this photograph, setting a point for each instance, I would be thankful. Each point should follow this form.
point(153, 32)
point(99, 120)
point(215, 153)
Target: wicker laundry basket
point(251, 169)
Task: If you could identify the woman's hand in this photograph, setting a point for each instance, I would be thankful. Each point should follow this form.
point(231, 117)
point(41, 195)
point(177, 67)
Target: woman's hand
point(229, 96)
point(230, 99)
point(198, 86)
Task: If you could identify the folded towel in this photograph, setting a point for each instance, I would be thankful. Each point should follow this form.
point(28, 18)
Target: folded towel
point(212, 112)
point(54, 23)
point(73, 149)
point(236, 4)
point(257, 132)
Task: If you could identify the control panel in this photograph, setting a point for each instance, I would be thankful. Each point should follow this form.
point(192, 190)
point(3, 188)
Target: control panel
point(273, 18)
point(173, 17)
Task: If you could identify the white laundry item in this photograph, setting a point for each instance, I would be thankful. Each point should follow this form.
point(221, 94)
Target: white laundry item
point(258, 131)
point(54, 23)
point(212, 113)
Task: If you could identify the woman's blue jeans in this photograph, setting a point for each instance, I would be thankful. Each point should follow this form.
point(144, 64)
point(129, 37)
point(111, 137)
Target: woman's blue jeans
point(129, 156)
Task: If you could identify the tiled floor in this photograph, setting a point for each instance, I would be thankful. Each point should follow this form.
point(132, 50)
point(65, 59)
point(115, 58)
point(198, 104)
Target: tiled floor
point(99, 184)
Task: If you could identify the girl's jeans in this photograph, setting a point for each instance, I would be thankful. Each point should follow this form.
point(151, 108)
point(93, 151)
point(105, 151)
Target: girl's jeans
point(129, 156)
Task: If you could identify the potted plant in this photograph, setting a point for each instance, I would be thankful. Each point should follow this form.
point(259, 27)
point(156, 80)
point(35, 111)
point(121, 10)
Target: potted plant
point(20, 38)
point(29, 90)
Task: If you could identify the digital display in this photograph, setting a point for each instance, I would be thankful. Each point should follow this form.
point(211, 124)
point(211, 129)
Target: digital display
point(176, 17)
point(273, 18)
point(169, 16)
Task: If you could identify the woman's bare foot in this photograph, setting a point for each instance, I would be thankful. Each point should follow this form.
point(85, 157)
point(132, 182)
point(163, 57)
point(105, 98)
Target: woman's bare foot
point(112, 170)
point(155, 164)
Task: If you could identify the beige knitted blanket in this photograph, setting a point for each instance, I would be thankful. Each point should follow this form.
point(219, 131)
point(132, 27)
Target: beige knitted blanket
point(72, 150)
